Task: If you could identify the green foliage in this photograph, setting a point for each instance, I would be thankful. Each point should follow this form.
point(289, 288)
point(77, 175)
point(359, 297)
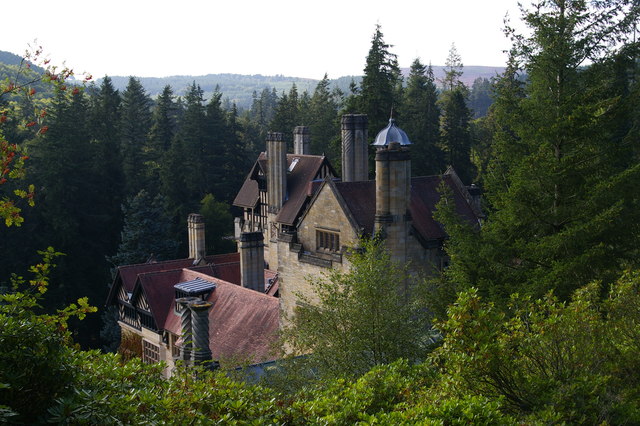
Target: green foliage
point(361, 318)
point(35, 358)
point(565, 362)
point(379, 93)
point(455, 133)
point(421, 120)
point(134, 128)
point(146, 232)
point(562, 211)
point(218, 225)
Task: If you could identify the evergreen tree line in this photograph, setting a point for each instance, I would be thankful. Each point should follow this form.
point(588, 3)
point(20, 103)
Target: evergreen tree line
point(116, 174)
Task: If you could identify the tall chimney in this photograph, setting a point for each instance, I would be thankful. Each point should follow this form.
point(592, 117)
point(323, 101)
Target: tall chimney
point(200, 325)
point(187, 327)
point(355, 158)
point(301, 140)
point(195, 228)
point(276, 171)
point(251, 247)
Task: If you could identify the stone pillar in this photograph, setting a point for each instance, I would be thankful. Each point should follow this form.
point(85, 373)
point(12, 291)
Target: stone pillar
point(251, 248)
point(393, 194)
point(276, 171)
point(200, 325)
point(195, 229)
point(355, 157)
point(301, 140)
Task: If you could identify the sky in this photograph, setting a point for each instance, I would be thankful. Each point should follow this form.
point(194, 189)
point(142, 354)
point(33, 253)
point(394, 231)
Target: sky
point(296, 38)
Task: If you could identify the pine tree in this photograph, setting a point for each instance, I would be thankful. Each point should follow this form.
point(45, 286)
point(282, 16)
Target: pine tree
point(380, 89)
point(287, 115)
point(323, 123)
point(421, 120)
point(480, 97)
point(104, 122)
point(161, 133)
point(455, 133)
point(561, 187)
point(192, 133)
point(453, 70)
point(135, 125)
point(146, 233)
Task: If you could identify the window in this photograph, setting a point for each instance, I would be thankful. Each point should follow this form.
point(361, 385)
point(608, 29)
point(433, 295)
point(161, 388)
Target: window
point(150, 352)
point(327, 241)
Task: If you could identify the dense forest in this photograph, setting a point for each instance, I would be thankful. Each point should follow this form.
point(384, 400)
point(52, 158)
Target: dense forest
point(536, 319)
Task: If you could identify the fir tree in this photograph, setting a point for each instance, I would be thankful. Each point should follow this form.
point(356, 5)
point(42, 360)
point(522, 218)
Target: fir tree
point(561, 187)
point(163, 129)
point(421, 120)
point(380, 89)
point(135, 125)
point(146, 233)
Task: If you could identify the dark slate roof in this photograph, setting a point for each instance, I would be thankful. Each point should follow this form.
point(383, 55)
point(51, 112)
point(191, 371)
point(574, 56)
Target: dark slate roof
point(306, 169)
point(360, 199)
point(225, 266)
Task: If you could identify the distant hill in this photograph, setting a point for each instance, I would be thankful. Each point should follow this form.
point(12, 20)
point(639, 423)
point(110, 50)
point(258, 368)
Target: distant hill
point(8, 58)
point(239, 88)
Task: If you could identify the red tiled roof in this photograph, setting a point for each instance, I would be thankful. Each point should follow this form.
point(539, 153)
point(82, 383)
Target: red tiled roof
point(360, 198)
point(226, 266)
point(242, 322)
point(129, 273)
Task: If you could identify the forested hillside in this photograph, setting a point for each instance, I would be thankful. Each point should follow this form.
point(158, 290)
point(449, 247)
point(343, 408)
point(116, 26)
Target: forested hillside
point(534, 321)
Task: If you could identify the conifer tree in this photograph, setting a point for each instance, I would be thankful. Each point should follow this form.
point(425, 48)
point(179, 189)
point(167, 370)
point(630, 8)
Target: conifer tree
point(323, 123)
point(421, 120)
point(455, 130)
point(146, 233)
point(161, 133)
point(380, 89)
point(104, 122)
point(561, 187)
point(135, 125)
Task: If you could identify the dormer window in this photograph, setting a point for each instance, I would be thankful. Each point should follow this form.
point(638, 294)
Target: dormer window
point(293, 164)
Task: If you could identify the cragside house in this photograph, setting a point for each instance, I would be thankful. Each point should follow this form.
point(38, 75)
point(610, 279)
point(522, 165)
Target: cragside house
point(299, 218)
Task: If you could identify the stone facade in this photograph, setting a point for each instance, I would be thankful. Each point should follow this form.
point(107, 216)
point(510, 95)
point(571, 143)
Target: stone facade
point(301, 261)
point(314, 229)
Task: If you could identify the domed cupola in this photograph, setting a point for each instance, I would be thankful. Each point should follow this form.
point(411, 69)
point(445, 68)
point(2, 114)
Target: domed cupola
point(391, 133)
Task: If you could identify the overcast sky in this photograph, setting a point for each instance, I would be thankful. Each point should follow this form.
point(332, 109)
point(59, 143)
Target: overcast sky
point(158, 38)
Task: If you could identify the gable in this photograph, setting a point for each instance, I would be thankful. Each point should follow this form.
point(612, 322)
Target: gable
point(302, 170)
point(327, 212)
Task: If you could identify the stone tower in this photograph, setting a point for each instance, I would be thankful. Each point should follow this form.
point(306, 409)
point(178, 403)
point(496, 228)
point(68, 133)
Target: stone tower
point(393, 190)
point(355, 158)
point(301, 140)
